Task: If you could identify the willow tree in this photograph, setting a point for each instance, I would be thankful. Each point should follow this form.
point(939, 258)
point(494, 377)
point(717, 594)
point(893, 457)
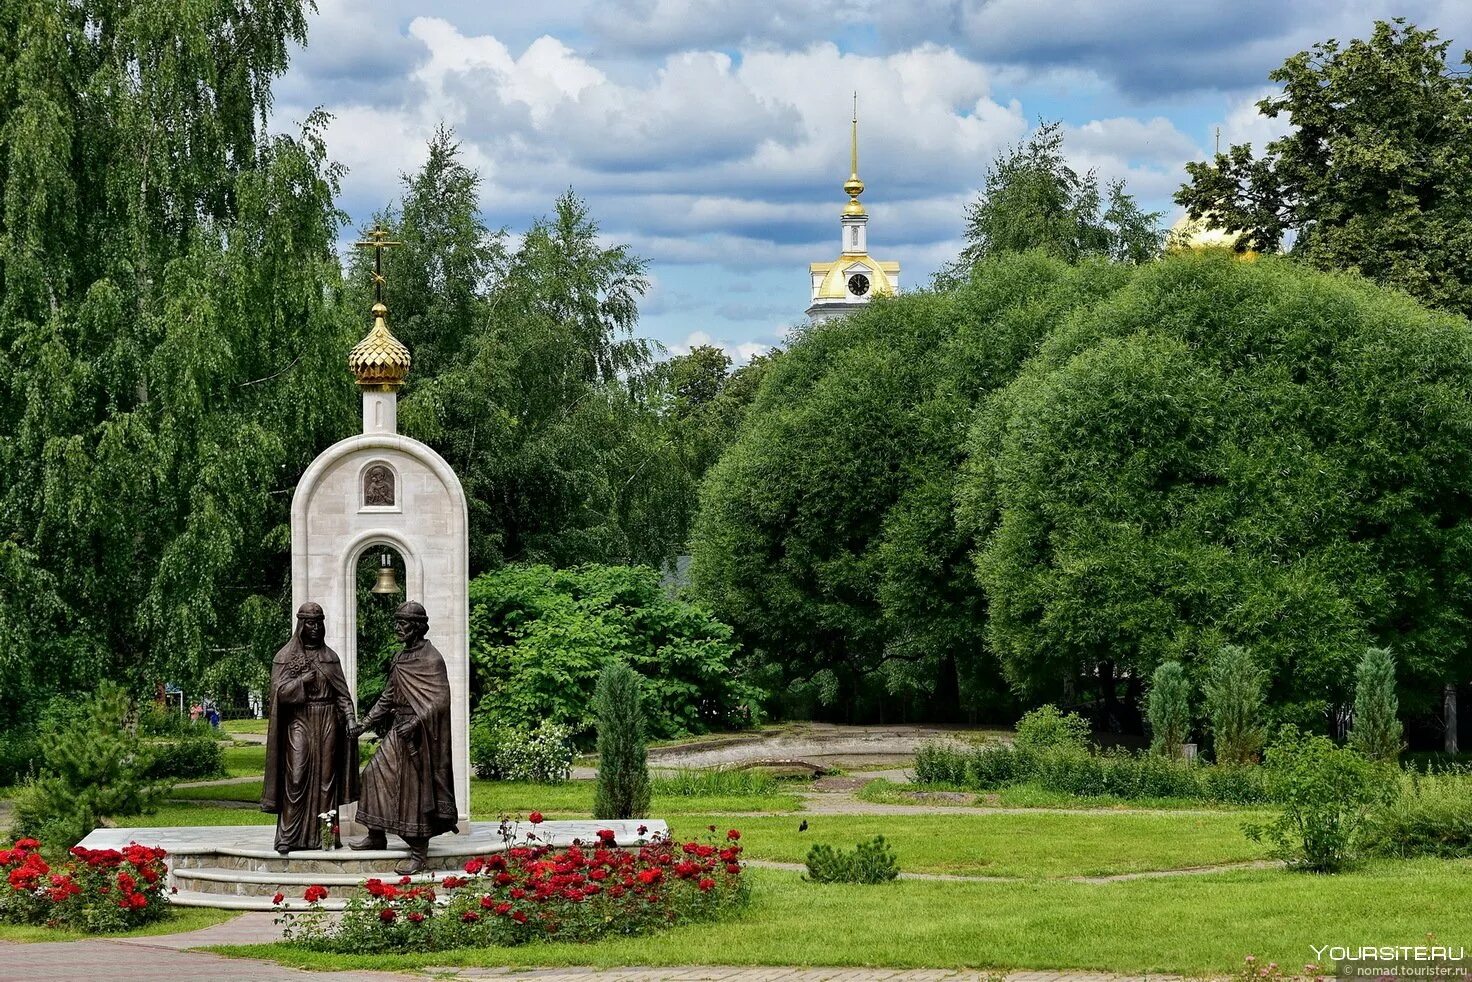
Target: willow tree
point(171, 352)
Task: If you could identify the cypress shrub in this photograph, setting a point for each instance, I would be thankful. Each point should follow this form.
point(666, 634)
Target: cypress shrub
point(1234, 689)
point(1376, 731)
point(1169, 709)
point(623, 770)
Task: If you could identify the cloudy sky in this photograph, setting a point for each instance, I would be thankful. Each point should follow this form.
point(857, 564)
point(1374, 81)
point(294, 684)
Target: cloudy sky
point(712, 135)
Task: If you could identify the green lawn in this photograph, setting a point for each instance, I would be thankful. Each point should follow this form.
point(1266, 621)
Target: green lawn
point(572, 799)
point(181, 919)
point(1194, 925)
point(245, 725)
point(1045, 844)
point(886, 792)
point(246, 759)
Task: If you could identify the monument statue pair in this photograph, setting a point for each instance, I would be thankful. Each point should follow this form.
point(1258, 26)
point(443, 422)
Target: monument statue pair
point(407, 788)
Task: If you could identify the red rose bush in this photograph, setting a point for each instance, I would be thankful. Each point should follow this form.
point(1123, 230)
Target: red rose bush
point(536, 892)
point(93, 890)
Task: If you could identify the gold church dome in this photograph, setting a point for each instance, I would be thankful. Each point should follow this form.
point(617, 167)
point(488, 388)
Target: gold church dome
point(1200, 233)
point(380, 361)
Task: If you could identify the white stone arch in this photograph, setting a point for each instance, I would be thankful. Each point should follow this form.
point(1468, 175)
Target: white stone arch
point(428, 526)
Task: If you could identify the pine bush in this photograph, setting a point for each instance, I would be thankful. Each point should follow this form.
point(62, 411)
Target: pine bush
point(95, 767)
point(1169, 709)
point(623, 771)
point(1235, 688)
point(1376, 731)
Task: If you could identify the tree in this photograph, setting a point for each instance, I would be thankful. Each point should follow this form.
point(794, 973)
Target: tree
point(1375, 173)
point(1376, 731)
point(1235, 688)
point(623, 767)
point(826, 533)
point(1169, 709)
point(1033, 199)
point(95, 767)
point(1228, 451)
point(166, 284)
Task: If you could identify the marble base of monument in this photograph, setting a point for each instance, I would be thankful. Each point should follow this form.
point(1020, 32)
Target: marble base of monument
point(235, 866)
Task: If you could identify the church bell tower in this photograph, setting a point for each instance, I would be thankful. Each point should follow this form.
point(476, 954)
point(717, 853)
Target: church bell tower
point(855, 277)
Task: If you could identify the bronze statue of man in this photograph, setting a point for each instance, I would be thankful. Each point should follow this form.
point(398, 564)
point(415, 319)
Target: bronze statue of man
point(311, 762)
point(409, 785)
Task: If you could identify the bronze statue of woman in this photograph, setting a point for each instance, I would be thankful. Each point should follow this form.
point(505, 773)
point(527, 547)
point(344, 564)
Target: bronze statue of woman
point(311, 761)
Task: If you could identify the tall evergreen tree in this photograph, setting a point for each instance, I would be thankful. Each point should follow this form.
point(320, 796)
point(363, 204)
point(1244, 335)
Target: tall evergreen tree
point(1376, 731)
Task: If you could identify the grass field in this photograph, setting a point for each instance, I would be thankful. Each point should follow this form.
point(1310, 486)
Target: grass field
point(1194, 925)
point(1045, 844)
point(182, 919)
point(885, 792)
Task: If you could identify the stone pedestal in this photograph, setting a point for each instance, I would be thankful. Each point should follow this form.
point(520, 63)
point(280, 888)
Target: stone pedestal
point(235, 866)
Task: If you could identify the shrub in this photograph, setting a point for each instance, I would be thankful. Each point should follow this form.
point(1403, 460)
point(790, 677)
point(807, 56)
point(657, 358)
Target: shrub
point(1046, 728)
point(190, 757)
point(528, 893)
point(539, 638)
point(156, 720)
point(870, 862)
point(1169, 709)
point(1325, 792)
point(94, 890)
point(1234, 691)
point(503, 753)
point(95, 767)
point(1431, 815)
point(623, 771)
point(1376, 731)
point(690, 783)
point(1070, 770)
point(941, 763)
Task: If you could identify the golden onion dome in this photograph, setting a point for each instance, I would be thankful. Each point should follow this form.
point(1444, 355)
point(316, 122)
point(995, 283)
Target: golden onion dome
point(380, 361)
point(1200, 233)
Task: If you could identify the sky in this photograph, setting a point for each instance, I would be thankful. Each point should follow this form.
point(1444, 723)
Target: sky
point(711, 136)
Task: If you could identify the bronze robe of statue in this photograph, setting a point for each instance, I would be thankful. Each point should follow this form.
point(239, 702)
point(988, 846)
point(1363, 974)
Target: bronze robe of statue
point(311, 762)
point(409, 785)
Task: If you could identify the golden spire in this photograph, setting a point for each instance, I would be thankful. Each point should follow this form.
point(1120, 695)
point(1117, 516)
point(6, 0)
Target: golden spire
point(853, 187)
point(380, 361)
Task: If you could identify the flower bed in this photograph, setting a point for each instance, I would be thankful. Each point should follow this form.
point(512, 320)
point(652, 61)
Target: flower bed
point(93, 890)
point(535, 892)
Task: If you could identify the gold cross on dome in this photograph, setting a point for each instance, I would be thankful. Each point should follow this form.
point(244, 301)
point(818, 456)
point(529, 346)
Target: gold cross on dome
point(376, 238)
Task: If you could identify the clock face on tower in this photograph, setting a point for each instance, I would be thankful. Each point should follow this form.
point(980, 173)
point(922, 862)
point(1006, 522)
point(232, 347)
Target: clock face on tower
point(858, 284)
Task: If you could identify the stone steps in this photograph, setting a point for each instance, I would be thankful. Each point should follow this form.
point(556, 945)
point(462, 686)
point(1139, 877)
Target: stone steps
point(236, 868)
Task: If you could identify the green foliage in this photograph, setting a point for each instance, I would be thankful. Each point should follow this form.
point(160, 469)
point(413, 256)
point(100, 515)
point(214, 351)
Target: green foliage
point(503, 753)
point(539, 638)
point(1234, 690)
point(166, 289)
point(95, 768)
point(187, 758)
point(1326, 793)
point(1376, 731)
point(826, 534)
point(623, 771)
point(1373, 174)
point(1229, 451)
point(870, 862)
point(20, 755)
point(1429, 815)
point(1047, 728)
point(1069, 769)
point(1168, 706)
point(1032, 199)
point(691, 783)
